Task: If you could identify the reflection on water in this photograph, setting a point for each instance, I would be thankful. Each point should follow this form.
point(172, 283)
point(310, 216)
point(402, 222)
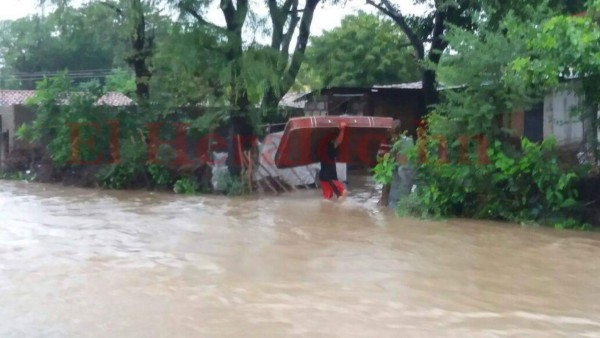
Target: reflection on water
point(87, 263)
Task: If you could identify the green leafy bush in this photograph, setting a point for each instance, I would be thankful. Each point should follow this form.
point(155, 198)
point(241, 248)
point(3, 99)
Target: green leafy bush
point(118, 176)
point(235, 187)
point(124, 174)
point(526, 187)
point(230, 185)
point(18, 175)
point(383, 172)
point(60, 112)
point(161, 175)
point(187, 186)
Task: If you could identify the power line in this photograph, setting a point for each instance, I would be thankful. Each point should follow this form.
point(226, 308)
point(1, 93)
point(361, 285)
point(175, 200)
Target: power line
point(42, 78)
point(69, 71)
point(50, 75)
point(78, 71)
point(75, 74)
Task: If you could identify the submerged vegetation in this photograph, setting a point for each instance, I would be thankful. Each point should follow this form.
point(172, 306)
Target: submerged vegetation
point(501, 65)
point(523, 184)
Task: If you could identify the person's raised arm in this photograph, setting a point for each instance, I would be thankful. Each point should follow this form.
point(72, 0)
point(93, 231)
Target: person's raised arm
point(340, 136)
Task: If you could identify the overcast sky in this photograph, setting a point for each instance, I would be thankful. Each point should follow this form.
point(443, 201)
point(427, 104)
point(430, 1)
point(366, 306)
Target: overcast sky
point(325, 18)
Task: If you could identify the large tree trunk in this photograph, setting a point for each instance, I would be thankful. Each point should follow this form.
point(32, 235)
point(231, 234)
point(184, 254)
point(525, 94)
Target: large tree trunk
point(429, 92)
point(429, 79)
point(241, 132)
point(142, 45)
point(438, 44)
point(142, 50)
point(270, 101)
point(287, 67)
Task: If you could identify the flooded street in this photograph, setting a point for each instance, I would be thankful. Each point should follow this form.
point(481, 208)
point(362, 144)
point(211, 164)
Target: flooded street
point(90, 263)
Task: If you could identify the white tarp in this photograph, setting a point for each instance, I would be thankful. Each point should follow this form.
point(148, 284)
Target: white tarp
point(219, 171)
point(297, 176)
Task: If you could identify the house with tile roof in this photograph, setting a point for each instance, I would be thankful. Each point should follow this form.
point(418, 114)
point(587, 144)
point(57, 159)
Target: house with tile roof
point(14, 112)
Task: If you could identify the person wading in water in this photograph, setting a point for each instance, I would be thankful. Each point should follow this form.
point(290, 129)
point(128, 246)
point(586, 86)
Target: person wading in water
point(386, 148)
point(328, 175)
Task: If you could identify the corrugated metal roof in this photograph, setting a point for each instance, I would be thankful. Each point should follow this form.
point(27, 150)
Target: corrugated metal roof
point(293, 100)
point(115, 99)
point(20, 97)
point(409, 85)
point(418, 85)
point(413, 85)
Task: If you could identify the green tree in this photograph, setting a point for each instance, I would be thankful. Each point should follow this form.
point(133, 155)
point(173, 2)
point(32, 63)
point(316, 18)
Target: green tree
point(190, 67)
point(501, 67)
point(134, 25)
point(274, 66)
point(226, 66)
point(365, 50)
point(496, 10)
point(120, 80)
point(281, 61)
point(139, 21)
point(479, 64)
point(286, 22)
point(565, 47)
point(427, 32)
point(83, 40)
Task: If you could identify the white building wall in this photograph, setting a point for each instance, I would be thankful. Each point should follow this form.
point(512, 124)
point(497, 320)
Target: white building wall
point(316, 108)
point(7, 123)
point(558, 117)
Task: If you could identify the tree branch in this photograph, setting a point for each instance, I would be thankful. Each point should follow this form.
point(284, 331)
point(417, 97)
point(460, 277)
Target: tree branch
point(280, 40)
point(302, 41)
point(229, 13)
point(198, 17)
point(278, 23)
point(287, 5)
point(388, 9)
point(287, 39)
point(273, 9)
point(112, 6)
point(241, 12)
point(438, 44)
point(379, 7)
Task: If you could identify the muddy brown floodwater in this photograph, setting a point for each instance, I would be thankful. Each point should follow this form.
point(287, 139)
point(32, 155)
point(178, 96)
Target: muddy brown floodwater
point(89, 263)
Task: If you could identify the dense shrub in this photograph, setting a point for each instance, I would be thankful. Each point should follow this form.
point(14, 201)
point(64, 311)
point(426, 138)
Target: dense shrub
point(230, 185)
point(160, 175)
point(187, 186)
point(93, 145)
point(383, 172)
point(522, 186)
point(27, 175)
point(130, 167)
point(235, 187)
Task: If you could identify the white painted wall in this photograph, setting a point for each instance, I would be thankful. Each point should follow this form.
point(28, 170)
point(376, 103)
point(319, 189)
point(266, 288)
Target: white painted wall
point(7, 117)
point(558, 119)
